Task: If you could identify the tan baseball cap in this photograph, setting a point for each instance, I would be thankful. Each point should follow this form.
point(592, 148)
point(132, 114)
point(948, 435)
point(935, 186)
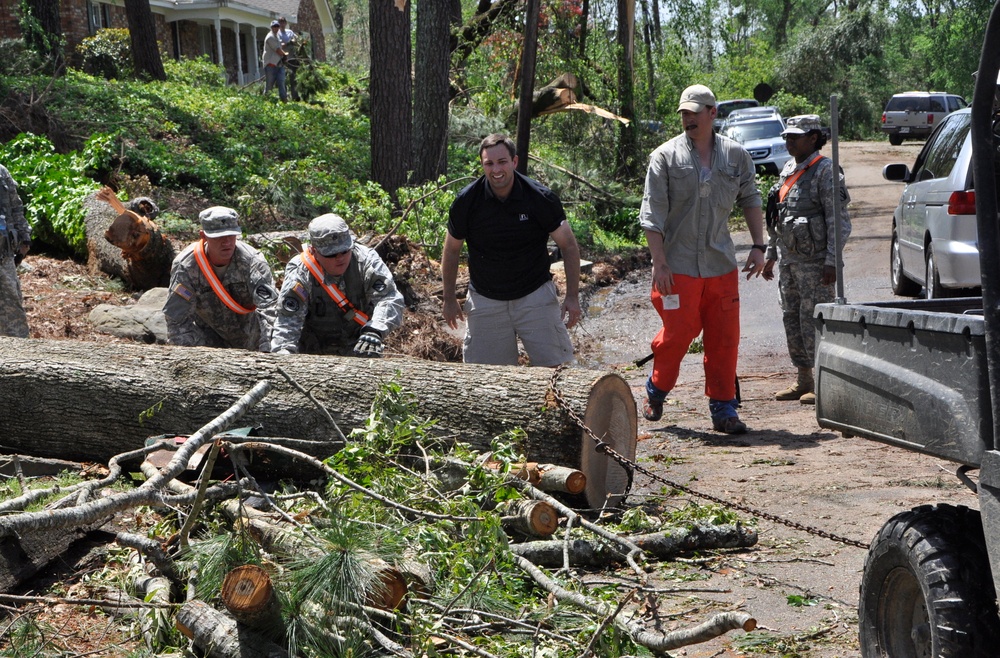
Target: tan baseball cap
point(696, 98)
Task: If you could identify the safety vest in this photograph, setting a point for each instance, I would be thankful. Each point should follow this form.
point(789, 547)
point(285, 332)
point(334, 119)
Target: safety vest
point(787, 185)
point(339, 298)
point(201, 258)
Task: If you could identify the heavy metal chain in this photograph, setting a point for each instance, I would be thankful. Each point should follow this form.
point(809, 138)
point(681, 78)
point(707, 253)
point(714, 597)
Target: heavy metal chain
point(632, 467)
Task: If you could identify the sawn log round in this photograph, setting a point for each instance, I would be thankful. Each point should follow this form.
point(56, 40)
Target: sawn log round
point(91, 401)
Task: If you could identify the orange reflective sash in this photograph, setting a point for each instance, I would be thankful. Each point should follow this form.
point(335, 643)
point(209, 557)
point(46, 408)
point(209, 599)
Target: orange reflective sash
point(213, 280)
point(787, 185)
point(333, 291)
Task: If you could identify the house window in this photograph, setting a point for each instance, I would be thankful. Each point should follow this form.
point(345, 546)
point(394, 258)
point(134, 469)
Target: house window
point(100, 15)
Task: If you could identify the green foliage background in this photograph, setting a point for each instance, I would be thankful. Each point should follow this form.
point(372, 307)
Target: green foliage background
point(282, 164)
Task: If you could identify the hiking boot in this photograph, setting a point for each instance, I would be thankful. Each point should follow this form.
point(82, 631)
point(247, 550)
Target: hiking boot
point(729, 425)
point(808, 398)
point(794, 392)
point(652, 410)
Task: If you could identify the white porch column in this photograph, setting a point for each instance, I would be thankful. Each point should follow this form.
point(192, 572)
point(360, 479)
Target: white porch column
point(257, 48)
point(239, 55)
point(218, 42)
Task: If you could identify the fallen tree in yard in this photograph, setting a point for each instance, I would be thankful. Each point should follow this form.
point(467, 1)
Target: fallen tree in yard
point(303, 570)
point(84, 401)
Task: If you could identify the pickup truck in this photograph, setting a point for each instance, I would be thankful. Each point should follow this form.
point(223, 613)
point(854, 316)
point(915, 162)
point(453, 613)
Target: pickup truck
point(925, 375)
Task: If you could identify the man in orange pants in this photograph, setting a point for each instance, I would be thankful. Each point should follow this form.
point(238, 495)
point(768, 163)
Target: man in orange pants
point(692, 184)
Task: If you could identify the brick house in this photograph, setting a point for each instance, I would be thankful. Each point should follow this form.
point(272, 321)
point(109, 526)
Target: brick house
point(230, 32)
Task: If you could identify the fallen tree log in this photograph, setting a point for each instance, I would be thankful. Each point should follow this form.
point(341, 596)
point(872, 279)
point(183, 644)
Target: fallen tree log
point(220, 636)
point(661, 545)
point(78, 400)
point(249, 597)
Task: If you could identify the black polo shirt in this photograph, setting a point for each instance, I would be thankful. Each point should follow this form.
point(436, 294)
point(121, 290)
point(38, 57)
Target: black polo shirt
point(507, 240)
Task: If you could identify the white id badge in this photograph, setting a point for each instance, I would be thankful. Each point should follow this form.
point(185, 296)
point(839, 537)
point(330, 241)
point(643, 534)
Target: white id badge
point(671, 302)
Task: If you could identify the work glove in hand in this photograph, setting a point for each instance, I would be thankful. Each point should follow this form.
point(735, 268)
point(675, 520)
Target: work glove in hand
point(283, 352)
point(369, 344)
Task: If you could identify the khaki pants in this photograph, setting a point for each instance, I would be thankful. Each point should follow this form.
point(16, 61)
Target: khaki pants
point(493, 327)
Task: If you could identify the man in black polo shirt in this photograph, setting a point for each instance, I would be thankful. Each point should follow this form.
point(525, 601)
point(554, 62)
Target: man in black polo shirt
point(507, 219)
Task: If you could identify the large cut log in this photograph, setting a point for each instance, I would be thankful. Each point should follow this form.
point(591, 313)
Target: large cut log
point(79, 400)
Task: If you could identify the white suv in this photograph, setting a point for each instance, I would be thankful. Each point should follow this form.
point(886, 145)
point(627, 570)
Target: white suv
point(763, 141)
point(915, 114)
point(934, 234)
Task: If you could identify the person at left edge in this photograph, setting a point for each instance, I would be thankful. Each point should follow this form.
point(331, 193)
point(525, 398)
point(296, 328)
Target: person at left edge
point(338, 296)
point(221, 290)
point(15, 240)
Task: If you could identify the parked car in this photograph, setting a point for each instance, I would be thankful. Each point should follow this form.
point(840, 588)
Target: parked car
point(915, 114)
point(934, 235)
point(766, 112)
point(723, 108)
point(762, 139)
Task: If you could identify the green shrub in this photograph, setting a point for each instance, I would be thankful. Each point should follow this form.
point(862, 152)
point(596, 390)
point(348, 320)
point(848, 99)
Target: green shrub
point(107, 54)
point(53, 187)
point(197, 72)
point(15, 59)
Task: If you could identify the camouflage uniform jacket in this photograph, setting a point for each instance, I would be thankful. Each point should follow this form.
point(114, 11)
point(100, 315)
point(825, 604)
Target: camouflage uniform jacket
point(305, 309)
point(197, 317)
point(810, 200)
point(18, 232)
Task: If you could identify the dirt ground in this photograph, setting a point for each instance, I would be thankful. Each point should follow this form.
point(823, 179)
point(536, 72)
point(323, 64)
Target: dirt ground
point(801, 588)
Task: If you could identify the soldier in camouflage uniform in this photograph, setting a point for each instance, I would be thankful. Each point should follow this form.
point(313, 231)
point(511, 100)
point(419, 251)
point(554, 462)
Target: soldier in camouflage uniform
point(801, 231)
point(221, 290)
point(338, 297)
point(15, 240)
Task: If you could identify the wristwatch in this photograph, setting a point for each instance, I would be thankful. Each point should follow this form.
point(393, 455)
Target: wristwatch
point(762, 247)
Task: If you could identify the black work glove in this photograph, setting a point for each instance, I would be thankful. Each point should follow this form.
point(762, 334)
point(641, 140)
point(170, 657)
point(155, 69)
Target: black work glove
point(369, 344)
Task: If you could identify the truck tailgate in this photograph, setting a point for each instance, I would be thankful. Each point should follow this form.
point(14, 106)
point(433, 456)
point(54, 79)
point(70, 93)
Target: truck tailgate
point(911, 374)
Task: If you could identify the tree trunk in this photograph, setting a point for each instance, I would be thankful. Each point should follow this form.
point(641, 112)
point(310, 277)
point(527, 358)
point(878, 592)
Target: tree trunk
point(126, 246)
point(431, 92)
point(529, 51)
point(42, 30)
point(391, 92)
point(142, 34)
point(220, 636)
point(627, 143)
point(661, 545)
point(21, 558)
point(88, 401)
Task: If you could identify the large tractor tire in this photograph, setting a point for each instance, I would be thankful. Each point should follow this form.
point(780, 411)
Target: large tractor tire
point(927, 591)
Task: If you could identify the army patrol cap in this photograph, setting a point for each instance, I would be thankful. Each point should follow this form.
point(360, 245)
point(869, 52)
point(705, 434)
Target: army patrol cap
point(329, 235)
point(802, 124)
point(696, 98)
point(219, 221)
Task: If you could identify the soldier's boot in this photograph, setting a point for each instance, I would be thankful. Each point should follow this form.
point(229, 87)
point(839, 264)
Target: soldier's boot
point(803, 386)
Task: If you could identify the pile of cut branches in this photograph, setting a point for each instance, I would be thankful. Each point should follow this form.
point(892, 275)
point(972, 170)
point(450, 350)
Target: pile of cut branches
point(404, 542)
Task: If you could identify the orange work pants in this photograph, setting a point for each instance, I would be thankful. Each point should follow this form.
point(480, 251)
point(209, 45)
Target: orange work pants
point(710, 306)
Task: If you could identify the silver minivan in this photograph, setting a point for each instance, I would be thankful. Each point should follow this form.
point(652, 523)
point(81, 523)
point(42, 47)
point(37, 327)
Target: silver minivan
point(934, 237)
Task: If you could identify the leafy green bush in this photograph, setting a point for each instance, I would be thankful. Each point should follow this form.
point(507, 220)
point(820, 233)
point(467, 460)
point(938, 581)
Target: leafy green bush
point(107, 54)
point(197, 72)
point(15, 59)
point(53, 187)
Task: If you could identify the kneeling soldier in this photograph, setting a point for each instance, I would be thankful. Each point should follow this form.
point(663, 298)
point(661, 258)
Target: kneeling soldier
point(338, 296)
point(221, 290)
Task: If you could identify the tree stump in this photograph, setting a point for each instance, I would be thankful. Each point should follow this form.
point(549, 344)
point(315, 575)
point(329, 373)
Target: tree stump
point(126, 246)
point(79, 400)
